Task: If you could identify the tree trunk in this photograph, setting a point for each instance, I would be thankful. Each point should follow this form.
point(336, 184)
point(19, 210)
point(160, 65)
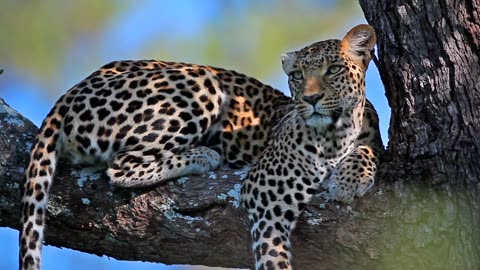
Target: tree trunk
point(429, 62)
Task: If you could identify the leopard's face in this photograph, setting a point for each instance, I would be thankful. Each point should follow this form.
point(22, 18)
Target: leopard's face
point(327, 78)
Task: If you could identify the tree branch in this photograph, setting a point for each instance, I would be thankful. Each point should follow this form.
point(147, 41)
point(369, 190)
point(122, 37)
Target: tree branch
point(195, 220)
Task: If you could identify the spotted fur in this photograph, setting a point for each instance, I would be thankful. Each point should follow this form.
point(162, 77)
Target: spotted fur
point(330, 133)
point(147, 122)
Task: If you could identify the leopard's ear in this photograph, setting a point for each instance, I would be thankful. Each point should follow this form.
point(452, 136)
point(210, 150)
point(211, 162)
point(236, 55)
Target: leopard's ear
point(288, 61)
point(358, 44)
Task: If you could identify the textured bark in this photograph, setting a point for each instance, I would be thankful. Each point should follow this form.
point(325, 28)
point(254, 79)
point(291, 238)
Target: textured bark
point(429, 62)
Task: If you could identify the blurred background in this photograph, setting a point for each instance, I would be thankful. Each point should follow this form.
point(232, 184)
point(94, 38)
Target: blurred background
point(48, 46)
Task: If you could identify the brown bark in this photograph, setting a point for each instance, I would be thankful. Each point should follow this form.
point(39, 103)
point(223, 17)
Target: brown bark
point(429, 62)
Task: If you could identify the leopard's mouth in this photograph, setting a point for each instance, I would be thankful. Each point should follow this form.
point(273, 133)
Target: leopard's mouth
point(318, 114)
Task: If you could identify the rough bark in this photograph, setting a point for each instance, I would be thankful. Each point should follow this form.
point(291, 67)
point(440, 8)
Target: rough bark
point(429, 62)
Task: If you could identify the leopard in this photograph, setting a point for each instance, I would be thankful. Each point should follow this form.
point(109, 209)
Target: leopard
point(325, 140)
point(146, 122)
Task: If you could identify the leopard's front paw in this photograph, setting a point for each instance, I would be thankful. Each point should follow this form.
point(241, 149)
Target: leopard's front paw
point(344, 187)
point(340, 190)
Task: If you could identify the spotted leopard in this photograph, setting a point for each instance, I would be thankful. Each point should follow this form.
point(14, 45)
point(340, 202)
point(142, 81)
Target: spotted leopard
point(327, 135)
point(147, 122)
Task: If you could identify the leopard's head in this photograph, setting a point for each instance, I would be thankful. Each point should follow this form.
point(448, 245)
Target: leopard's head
point(327, 78)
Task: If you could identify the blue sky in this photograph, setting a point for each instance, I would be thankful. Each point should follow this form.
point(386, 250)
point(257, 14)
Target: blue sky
point(120, 40)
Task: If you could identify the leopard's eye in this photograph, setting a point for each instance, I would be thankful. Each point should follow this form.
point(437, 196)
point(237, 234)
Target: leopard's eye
point(334, 69)
point(296, 75)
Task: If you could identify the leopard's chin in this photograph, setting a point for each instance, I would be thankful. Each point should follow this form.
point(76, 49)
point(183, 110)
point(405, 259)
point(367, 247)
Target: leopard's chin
point(317, 120)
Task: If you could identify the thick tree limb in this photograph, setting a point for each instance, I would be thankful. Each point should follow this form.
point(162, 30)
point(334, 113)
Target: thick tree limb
point(187, 221)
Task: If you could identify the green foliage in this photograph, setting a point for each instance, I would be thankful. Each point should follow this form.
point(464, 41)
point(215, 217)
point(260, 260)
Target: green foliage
point(252, 39)
point(38, 35)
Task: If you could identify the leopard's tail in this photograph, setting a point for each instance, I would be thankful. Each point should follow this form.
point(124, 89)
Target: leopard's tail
point(39, 174)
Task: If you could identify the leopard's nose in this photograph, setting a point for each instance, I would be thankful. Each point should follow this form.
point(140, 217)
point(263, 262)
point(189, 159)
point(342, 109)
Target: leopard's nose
point(313, 99)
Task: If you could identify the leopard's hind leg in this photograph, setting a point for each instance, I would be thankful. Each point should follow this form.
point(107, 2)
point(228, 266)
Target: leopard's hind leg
point(148, 167)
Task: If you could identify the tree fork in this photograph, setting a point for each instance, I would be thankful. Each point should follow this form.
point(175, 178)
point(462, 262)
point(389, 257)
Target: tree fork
point(429, 63)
